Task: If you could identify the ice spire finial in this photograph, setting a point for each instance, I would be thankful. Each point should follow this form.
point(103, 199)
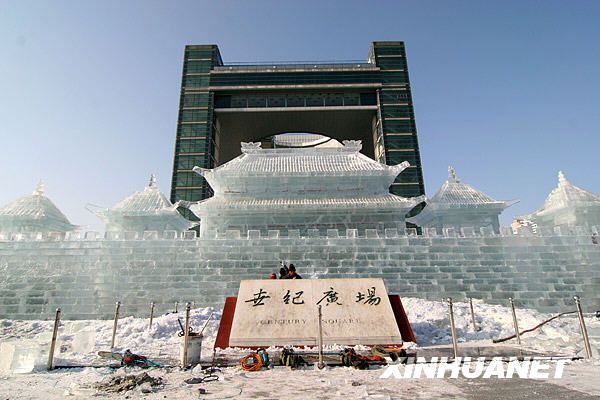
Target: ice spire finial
point(352, 145)
point(152, 182)
point(39, 189)
point(251, 147)
point(452, 174)
point(562, 179)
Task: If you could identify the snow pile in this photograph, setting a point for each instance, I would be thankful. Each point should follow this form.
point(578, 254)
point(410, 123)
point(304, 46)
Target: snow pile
point(24, 344)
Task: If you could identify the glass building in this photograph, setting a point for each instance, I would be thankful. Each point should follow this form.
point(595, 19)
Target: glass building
point(223, 104)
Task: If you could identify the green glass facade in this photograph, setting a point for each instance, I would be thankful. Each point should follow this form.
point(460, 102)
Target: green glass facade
point(223, 104)
point(397, 131)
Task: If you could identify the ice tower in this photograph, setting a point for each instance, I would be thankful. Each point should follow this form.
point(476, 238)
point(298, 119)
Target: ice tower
point(568, 206)
point(148, 210)
point(33, 214)
point(458, 205)
point(302, 189)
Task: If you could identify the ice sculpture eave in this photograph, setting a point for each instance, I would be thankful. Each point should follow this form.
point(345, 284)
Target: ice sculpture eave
point(148, 210)
point(458, 205)
point(309, 168)
point(568, 206)
point(33, 213)
point(306, 188)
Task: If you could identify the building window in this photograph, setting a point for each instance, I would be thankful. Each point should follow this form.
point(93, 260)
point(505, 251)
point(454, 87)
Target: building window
point(188, 179)
point(189, 162)
point(257, 101)
point(196, 100)
point(195, 81)
point(193, 116)
point(192, 146)
point(195, 67)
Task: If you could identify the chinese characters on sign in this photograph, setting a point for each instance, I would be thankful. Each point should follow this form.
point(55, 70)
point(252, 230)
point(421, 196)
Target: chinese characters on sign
point(258, 298)
point(295, 299)
point(285, 312)
point(330, 296)
point(369, 298)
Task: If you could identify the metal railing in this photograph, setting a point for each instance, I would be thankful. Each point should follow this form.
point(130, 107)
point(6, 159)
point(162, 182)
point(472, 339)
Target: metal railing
point(518, 333)
point(283, 65)
point(186, 330)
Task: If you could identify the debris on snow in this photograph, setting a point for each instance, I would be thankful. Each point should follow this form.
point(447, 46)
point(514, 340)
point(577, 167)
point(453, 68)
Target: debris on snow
point(124, 383)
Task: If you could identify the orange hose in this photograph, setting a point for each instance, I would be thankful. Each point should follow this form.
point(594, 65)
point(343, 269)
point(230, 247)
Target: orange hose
point(256, 365)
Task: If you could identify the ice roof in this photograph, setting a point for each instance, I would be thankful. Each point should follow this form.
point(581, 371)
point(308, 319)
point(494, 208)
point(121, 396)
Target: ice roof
point(145, 210)
point(282, 204)
point(37, 209)
point(455, 192)
point(147, 201)
point(567, 195)
point(346, 160)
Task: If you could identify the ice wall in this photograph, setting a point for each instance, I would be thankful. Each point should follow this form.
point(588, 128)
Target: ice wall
point(86, 275)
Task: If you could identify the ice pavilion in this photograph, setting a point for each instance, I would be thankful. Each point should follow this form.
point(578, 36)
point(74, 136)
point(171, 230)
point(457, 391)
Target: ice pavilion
point(148, 210)
point(297, 189)
point(457, 205)
point(568, 206)
point(34, 213)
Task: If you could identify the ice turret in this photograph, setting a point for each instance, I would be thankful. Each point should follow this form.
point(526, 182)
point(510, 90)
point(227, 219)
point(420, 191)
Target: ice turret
point(568, 206)
point(148, 210)
point(302, 188)
point(33, 213)
point(458, 205)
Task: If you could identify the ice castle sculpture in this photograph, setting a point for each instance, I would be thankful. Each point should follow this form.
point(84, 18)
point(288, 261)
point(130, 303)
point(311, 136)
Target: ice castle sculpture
point(302, 189)
point(326, 188)
point(148, 210)
point(459, 206)
point(35, 213)
point(568, 206)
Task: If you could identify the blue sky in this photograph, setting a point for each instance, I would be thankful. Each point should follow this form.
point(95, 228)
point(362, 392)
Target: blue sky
point(508, 92)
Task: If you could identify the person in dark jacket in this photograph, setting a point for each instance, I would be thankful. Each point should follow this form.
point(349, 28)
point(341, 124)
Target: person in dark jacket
point(292, 273)
point(283, 272)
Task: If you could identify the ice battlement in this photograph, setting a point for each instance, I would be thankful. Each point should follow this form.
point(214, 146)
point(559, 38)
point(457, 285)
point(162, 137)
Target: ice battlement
point(388, 233)
point(86, 273)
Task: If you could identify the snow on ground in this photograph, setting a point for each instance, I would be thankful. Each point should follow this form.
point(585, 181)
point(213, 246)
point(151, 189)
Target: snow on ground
point(79, 341)
point(24, 344)
point(430, 323)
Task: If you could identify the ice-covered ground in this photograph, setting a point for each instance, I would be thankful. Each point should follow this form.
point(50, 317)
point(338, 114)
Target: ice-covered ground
point(24, 344)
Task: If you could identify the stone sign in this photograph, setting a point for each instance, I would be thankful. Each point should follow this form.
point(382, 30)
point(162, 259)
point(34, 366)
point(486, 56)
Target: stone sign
point(285, 312)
